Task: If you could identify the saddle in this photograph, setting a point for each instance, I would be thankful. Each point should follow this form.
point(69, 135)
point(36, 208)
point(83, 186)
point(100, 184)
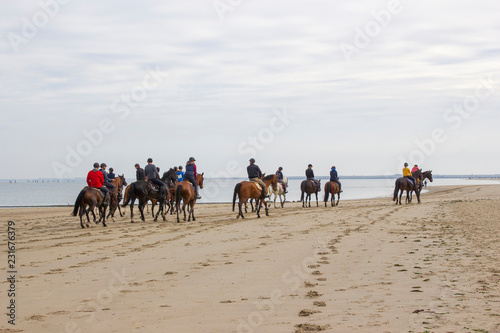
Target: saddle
point(101, 193)
point(259, 187)
point(154, 186)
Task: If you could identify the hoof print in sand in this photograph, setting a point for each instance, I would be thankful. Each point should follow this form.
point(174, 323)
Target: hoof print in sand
point(302, 328)
point(313, 294)
point(319, 303)
point(307, 313)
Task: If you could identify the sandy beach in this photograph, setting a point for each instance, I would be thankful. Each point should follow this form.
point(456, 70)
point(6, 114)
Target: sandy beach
point(364, 266)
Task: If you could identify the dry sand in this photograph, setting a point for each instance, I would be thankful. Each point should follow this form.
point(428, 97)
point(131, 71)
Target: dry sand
point(365, 266)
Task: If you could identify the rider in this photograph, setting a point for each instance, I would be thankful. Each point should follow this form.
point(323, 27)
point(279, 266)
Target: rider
point(180, 174)
point(152, 174)
point(279, 173)
point(310, 176)
point(139, 174)
point(255, 175)
point(414, 169)
point(191, 175)
point(96, 179)
point(334, 177)
point(407, 174)
point(111, 174)
point(107, 183)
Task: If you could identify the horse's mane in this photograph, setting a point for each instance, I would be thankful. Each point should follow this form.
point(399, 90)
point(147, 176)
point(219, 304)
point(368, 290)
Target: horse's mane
point(269, 177)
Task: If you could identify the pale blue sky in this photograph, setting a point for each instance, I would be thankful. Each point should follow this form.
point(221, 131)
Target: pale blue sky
point(222, 81)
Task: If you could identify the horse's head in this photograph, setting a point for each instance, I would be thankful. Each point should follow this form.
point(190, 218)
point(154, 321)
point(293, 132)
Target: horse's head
point(428, 175)
point(169, 176)
point(199, 180)
point(122, 180)
point(271, 180)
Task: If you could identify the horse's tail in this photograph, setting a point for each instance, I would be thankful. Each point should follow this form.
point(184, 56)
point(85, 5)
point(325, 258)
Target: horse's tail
point(327, 191)
point(126, 196)
point(78, 203)
point(302, 189)
point(236, 190)
point(396, 188)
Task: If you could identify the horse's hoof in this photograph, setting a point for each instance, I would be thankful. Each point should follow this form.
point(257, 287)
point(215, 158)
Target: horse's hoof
point(83, 227)
point(104, 225)
point(131, 221)
point(88, 225)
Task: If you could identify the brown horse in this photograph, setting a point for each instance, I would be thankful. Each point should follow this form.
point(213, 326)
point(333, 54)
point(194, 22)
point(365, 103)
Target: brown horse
point(309, 187)
point(92, 198)
point(332, 188)
point(117, 196)
point(186, 193)
point(144, 191)
point(248, 190)
point(404, 184)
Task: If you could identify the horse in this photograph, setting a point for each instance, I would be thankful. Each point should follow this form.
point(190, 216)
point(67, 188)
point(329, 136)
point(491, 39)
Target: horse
point(144, 191)
point(246, 190)
point(403, 184)
point(92, 198)
point(185, 192)
point(309, 187)
point(119, 183)
point(280, 191)
point(169, 178)
point(332, 188)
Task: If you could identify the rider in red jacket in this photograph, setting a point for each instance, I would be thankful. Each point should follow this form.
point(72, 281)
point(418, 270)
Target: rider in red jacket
point(95, 179)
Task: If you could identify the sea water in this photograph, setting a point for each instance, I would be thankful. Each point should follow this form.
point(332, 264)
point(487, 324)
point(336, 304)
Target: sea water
point(216, 190)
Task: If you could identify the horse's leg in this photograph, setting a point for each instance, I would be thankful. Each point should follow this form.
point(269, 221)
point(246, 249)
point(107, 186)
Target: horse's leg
point(338, 199)
point(284, 199)
point(258, 205)
point(132, 200)
point(192, 210)
point(240, 212)
point(265, 205)
point(103, 215)
point(400, 195)
point(317, 204)
point(184, 209)
point(81, 212)
point(142, 202)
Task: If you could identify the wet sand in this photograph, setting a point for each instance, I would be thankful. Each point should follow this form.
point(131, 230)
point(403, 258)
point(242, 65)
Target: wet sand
point(364, 266)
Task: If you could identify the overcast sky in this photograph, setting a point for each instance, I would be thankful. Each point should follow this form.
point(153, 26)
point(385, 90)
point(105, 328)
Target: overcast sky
point(363, 85)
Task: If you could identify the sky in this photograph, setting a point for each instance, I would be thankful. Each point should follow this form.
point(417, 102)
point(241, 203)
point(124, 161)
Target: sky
point(362, 85)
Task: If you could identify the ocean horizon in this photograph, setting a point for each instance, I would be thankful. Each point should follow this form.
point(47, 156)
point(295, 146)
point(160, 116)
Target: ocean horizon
point(63, 192)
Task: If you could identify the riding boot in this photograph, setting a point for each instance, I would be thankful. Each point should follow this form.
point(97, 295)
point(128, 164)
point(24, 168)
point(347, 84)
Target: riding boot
point(317, 185)
point(264, 194)
point(197, 194)
point(285, 188)
point(105, 200)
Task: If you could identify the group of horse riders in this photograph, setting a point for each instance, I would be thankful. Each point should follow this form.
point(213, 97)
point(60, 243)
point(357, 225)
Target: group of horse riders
point(100, 179)
point(255, 175)
point(151, 173)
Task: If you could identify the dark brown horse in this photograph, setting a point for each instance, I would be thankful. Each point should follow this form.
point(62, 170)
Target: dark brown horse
point(169, 178)
point(144, 191)
point(404, 184)
point(91, 198)
point(332, 188)
point(186, 193)
point(421, 176)
point(309, 187)
point(248, 190)
point(116, 196)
